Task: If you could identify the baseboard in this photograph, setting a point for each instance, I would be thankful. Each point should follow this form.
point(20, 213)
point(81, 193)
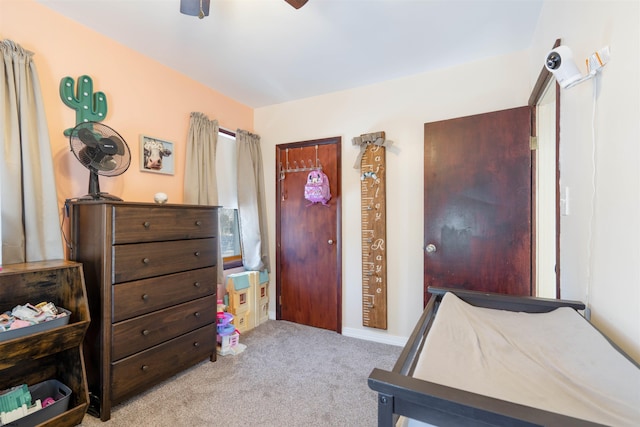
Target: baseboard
point(366, 335)
point(375, 336)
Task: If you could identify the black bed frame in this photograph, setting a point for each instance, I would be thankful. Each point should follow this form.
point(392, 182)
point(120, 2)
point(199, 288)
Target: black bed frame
point(401, 394)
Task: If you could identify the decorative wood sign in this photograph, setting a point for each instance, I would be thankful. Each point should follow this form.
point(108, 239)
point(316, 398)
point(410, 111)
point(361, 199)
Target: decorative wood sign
point(374, 229)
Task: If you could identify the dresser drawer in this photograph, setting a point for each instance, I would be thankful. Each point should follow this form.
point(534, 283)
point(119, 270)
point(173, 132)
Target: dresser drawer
point(132, 299)
point(133, 224)
point(141, 260)
point(133, 335)
point(131, 375)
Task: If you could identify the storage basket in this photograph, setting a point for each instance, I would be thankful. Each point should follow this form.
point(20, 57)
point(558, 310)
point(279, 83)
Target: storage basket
point(38, 327)
point(51, 388)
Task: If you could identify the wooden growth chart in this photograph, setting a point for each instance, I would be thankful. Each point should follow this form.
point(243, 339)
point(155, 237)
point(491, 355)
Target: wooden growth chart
point(374, 230)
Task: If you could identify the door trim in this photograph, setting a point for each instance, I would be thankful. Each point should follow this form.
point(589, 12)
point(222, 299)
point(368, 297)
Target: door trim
point(543, 81)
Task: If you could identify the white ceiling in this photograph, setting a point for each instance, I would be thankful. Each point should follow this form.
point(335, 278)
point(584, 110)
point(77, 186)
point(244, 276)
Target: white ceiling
point(264, 52)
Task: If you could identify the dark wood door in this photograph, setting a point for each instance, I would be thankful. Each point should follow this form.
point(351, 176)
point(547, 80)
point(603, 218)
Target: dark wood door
point(308, 271)
point(477, 203)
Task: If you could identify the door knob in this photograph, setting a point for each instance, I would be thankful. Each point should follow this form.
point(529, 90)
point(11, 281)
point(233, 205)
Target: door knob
point(431, 248)
point(330, 241)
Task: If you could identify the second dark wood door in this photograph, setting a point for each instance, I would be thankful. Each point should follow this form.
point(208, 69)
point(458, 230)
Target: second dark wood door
point(477, 203)
point(308, 283)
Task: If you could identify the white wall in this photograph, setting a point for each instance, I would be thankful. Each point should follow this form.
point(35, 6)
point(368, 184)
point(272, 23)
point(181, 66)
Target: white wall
point(600, 260)
point(400, 108)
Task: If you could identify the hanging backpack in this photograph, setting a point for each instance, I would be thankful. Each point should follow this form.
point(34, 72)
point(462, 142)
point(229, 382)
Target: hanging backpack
point(316, 190)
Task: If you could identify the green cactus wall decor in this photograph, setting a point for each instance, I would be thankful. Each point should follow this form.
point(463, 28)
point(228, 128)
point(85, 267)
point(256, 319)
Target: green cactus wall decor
point(89, 106)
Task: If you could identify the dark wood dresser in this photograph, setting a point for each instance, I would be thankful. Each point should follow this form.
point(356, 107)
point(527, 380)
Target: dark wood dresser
point(150, 274)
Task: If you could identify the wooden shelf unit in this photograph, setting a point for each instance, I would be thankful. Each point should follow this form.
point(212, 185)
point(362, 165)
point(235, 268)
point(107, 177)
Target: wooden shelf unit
point(51, 354)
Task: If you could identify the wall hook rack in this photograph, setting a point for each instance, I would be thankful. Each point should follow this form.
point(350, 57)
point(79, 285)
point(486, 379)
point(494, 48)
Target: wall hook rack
point(302, 167)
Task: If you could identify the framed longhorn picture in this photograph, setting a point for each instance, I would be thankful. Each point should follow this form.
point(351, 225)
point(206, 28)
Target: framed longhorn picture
point(156, 155)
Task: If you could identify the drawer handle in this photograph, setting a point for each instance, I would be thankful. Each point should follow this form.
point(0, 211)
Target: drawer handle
point(144, 368)
point(196, 344)
point(197, 253)
point(145, 332)
point(145, 297)
point(145, 260)
point(196, 284)
point(198, 223)
point(146, 224)
point(197, 314)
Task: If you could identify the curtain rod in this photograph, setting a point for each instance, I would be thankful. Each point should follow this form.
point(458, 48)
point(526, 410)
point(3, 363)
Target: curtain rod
point(226, 131)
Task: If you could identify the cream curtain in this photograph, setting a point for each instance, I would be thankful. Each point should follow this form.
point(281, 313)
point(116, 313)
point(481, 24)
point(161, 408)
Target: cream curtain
point(30, 228)
point(251, 202)
point(200, 184)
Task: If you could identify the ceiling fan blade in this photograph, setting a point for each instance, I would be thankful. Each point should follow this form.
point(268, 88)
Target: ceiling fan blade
point(297, 3)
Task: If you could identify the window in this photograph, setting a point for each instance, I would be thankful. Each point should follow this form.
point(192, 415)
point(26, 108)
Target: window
point(226, 175)
point(229, 237)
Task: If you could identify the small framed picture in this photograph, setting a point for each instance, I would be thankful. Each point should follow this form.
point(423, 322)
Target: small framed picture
point(156, 155)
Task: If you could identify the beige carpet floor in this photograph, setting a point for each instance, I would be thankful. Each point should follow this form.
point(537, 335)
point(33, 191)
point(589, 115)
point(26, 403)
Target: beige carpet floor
point(289, 375)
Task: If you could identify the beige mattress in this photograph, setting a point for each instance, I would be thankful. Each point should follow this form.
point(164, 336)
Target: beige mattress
point(553, 361)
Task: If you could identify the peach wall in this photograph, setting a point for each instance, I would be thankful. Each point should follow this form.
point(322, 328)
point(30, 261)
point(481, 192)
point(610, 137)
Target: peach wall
point(144, 97)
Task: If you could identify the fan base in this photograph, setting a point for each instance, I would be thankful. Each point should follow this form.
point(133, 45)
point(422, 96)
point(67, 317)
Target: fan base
point(99, 196)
